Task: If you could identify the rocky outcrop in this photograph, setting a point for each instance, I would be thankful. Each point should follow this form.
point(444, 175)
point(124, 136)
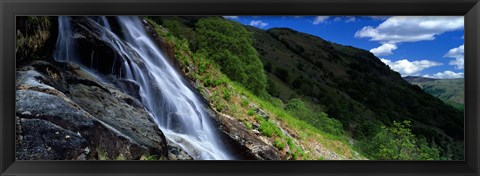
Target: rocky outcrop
point(65, 113)
point(248, 143)
point(243, 143)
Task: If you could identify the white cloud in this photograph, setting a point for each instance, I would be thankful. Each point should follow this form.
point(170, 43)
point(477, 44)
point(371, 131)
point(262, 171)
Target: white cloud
point(258, 23)
point(407, 68)
point(445, 75)
point(346, 19)
point(458, 55)
point(231, 17)
point(351, 19)
point(384, 50)
point(320, 19)
point(399, 29)
point(411, 29)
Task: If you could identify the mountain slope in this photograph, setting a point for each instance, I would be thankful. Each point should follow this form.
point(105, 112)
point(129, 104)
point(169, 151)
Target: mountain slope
point(354, 86)
point(334, 81)
point(451, 91)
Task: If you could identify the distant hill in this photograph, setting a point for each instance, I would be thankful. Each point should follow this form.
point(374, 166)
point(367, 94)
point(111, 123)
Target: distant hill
point(352, 85)
point(451, 91)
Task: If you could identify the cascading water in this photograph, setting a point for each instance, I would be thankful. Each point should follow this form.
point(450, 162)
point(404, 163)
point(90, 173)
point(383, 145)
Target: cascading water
point(175, 107)
point(63, 49)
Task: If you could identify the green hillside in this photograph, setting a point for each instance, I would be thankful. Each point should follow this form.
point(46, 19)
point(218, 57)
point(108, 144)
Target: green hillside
point(354, 86)
point(325, 93)
point(451, 91)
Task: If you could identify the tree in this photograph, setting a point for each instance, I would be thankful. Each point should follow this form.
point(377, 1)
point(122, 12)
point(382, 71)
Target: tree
point(230, 45)
point(399, 143)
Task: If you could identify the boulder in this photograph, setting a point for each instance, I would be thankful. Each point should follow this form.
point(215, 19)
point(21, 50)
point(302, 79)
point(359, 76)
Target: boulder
point(62, 113)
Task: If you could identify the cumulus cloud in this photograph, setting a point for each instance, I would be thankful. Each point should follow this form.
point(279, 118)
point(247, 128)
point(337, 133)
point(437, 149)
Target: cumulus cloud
point(384, 50)
point(408, 68)
point(258, 23)
point(320, 19)
point(458, 55)
point(399, 29)
point(445, 75)
point(411, 29)
point(231, 17)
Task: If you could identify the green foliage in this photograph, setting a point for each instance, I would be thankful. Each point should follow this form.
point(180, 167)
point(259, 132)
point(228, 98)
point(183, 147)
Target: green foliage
point(229, 44)
point(451, 91)
point(250, 112)
point(320, 120)
point(356, 87)
point(266, 127)
point(248, 125)
point(227, 94)
point(182, 31)
point(272, 88)
point(244, 102)
point(280, 145)
point(399, 143)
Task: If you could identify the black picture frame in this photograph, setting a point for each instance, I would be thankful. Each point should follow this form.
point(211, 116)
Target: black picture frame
point(10, 8)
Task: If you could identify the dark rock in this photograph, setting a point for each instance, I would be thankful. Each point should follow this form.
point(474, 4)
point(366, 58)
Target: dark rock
point(85, 120)
point(130, 87)
point(249, 144)
point(43, 140)
point(176, 152)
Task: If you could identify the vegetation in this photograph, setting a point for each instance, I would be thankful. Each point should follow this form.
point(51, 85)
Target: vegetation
point(33, 32)
point(354, 87)
point(236, 99)
point(227, 44)
point(321, 93)
point(451, 91)
point(399, 143)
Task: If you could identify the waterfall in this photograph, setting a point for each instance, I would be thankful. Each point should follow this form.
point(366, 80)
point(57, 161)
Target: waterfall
point(176, 109)
point(64, 51)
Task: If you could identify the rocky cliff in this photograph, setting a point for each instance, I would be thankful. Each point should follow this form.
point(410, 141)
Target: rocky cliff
point(65, 112)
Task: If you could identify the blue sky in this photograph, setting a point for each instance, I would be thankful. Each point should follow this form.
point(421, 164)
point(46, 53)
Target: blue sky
point(413, 46)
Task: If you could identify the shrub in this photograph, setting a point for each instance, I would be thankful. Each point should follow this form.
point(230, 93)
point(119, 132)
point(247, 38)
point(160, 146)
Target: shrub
point(280, 145)
point(244, 102)
point(250, 112)
point(320, 120)
point(229, 44)
point(399, 143)
point(226, 94)
point(248, 125)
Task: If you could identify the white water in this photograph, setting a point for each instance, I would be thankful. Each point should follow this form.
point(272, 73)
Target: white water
point(175, 107)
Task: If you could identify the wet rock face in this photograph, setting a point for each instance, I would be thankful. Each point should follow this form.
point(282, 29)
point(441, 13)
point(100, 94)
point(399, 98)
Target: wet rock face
point(62, 113)
point(247, 144)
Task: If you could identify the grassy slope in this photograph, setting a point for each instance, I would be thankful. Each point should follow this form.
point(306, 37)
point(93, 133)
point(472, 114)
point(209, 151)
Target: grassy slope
point(296, 138)
point(451, 91)
point(353, 85)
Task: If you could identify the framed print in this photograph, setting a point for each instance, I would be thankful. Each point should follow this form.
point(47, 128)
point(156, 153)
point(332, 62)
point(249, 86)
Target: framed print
point(239, 87)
